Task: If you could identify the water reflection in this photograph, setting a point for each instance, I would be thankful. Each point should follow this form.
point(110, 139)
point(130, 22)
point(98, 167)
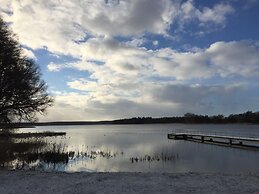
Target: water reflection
point(92, 154)
point(147, 158)
point(145, 148)
point(21, 152)
point(29, 150)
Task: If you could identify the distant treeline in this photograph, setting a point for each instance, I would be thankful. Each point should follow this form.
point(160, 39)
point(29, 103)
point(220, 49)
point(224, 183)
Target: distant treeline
point(247, 117)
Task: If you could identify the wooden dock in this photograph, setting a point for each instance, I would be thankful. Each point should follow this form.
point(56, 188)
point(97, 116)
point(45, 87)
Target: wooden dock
point(232, 141)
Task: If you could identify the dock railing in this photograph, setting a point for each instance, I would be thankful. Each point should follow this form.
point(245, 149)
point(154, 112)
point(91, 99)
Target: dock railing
point(215, 137)
point(218, 133)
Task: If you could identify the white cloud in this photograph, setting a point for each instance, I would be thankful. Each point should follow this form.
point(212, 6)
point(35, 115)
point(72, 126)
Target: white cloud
point(190, 95)
point(29, 53)
point(209, 99)
point(128, 17)
point(44, 24)
point(236, 58)
point(136, 42)
point(76, 106)
point(113, 91)
point(57, 25)
point(68, 106)
point(126, 79)
point(107, 92)
point(216, 14)
point(55, 67)
point(6, 8)
point(157, 100)
point(61, 26)
point(89, 86)
point(155, 42)
point(81, 66)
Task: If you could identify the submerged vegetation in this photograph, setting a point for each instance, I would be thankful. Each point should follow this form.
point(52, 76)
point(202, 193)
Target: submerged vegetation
point(29, 150)
point(35, 151)
point(163, 157)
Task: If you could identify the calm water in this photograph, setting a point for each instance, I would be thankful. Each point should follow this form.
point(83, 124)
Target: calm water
point(145, 148)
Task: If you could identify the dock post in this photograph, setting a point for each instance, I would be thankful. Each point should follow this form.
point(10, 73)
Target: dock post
point(232, 141)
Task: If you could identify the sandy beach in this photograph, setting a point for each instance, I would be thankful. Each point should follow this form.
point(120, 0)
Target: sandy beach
point(14, 182)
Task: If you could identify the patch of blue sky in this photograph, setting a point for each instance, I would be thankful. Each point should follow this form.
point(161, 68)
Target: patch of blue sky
point(154, 42)
point(158, 79)
point(194, 34)
point(211, 3)
point(150, 41)
point(57, 80)
point(231, 32)
point(178, 39)
point(96, 62)
point(44, 57)
point(122, 38)
point(241, 26)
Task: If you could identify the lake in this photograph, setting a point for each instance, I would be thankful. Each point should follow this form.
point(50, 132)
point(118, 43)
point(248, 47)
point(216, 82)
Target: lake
point(145, 148)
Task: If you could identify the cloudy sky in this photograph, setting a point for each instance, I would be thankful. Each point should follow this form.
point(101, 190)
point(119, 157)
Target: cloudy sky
point(108, 59)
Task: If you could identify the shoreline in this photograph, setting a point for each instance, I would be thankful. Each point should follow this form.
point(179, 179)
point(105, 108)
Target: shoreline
point(22, 181)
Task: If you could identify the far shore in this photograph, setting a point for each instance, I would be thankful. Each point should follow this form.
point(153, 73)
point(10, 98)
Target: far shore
point(30, 182)
point(189, 118)
point(82, 123)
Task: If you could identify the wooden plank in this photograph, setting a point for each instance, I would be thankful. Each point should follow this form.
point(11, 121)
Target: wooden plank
point(235, 142)
point(227, 137)
point(214, 136)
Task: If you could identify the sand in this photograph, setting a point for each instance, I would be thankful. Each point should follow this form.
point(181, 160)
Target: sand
point(16, 182)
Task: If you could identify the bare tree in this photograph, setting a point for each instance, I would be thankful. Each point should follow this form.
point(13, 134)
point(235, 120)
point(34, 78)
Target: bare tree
point(22, 92)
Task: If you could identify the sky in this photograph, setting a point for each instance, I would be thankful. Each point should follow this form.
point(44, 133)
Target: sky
point(110, 59)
